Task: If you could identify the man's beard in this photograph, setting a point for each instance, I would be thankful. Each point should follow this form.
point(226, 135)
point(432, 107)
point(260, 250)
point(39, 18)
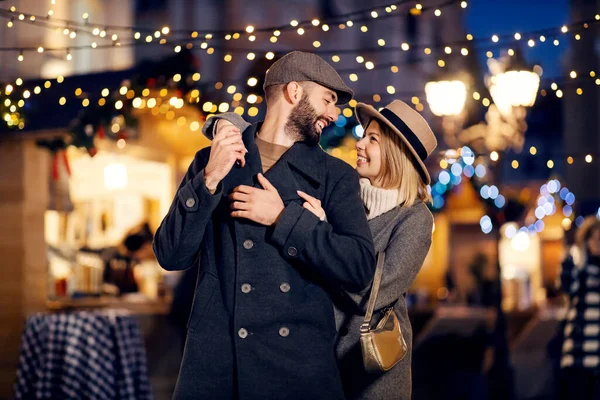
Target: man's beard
point(301, 123)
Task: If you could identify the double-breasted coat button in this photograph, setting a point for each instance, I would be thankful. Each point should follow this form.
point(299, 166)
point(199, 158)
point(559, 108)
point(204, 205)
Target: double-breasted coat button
point(242, 333)
point(284, 331)
point(292, 251)
point(248, 244)
point(189, 203)
point(284, 287)
point(246, 288)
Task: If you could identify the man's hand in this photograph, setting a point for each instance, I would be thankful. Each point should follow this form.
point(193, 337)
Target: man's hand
point(263, 206)
point(226, 149)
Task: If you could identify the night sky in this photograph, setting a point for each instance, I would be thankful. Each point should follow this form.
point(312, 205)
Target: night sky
point(485, 18)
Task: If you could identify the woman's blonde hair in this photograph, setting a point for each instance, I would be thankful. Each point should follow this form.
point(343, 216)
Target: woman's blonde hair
point(398, 169)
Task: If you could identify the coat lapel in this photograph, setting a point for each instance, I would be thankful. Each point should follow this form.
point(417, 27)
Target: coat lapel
point(297, 169)
point(299, 166)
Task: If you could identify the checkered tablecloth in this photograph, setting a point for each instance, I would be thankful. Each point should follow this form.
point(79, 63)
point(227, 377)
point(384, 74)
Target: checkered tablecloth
point(82, 355)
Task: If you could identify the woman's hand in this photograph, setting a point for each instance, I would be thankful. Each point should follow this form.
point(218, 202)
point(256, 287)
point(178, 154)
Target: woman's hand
point(313, 205)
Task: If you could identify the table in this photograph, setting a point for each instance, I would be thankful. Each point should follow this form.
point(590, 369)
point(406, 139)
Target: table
point(83, 354)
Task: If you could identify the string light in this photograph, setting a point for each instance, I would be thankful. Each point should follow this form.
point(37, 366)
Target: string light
point(533, 150)
point(294, 23)
point(390, 91)
point(310, 22)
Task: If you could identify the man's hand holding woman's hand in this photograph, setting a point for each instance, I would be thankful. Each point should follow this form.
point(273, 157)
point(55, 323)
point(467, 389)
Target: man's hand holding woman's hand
point(226, 149)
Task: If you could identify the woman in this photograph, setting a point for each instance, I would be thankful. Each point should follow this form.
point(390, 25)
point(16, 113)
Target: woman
point(394, 182)
point(580, 279)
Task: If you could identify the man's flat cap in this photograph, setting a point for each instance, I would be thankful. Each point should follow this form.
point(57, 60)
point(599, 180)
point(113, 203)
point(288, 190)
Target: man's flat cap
point(299, 66)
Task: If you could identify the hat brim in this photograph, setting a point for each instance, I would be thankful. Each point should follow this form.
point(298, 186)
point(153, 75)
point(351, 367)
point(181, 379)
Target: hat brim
point(365, 113)
point(344, 95)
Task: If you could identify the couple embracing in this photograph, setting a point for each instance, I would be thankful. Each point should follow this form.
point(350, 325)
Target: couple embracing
point(286, 238)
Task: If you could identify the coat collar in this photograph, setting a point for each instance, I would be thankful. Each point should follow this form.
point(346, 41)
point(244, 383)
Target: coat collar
point(300, 160)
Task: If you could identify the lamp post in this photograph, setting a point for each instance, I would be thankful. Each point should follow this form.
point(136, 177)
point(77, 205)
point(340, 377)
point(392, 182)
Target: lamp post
point(513, 88)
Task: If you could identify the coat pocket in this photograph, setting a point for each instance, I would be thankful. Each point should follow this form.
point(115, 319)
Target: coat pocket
point(207, 284)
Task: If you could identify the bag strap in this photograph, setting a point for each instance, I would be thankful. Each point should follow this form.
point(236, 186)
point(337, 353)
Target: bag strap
point(366, 325)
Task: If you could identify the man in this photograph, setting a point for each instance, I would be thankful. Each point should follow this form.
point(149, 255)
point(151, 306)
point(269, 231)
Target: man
point(262, 324)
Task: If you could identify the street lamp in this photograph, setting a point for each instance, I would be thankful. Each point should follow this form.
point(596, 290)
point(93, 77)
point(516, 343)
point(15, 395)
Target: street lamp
point(446, 98)
point(513, 88)
point(512, 84)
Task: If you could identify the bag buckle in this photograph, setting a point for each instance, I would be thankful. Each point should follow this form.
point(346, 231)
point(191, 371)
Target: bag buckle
point(364, 327)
